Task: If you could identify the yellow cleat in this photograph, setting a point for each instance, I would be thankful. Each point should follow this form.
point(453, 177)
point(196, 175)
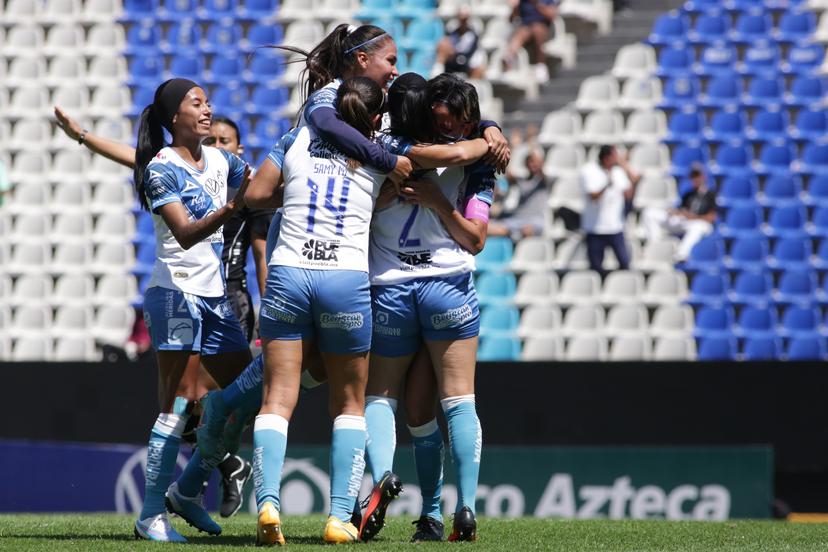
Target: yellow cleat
point(269, 528)
point(340, 532)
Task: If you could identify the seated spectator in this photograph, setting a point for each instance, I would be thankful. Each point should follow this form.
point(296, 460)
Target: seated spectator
point(607, 185)
point(693, 219)
point(523, 206)
point(458, 52)
point(535, 19)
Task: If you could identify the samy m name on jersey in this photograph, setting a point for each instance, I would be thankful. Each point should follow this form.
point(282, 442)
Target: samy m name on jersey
point(327, 205)
point(409, 241)
point(170, 179)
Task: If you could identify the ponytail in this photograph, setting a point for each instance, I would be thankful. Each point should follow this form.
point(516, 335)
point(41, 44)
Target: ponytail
point(359, 99)
point(150, 142)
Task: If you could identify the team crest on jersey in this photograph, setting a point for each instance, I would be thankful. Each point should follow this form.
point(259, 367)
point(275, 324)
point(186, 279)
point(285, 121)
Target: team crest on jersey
point(341, 320)
point(415, 258)
point(323, 150)
point(320, 250)
point(213, 186)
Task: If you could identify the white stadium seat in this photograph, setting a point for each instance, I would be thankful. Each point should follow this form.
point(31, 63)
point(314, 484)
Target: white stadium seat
point(602, 126)
point(304, 34)
point(31, 289)
point(650, 159)
point(104, 39)
point(25, 71)
point(562, 45)
point(114, 289)
point(656, 191)
point(30, 134)
point(73, 99)
point(622, 286)
point(496, 34)
point(105, 171)
point(28, 259)
point(598, 92)
point(109, 101)
point(113, 258)
point(630, 348)
point(113, 324)
point(567, 192)
point(533, 254)
point(29, 102)
point(665, 287)
point(71, 228)
point(24, 12)
point(73, 289)
point(626, 320)
point(674, 348)
point(29, 168)
point(71, 321)
point(580, 287)
point(640, 93)
point(31, 227)
point(292, 10)
point(102, 11)
point(583, 319)
point(114, 227)
point(30, 320)
point(112, 196)
point(337, 10)
point(77, 348)
point(564, 160)
point(64, 38)
point(57, 11)
point(560, 127)
point(69, 166)
point(72, 194)
point(67, 70)
point(535, 288)
point(672, 321)
point(72, 258)
point(571, 254)
point(657, 255)
point(542, 349)
point(645, 125)
point(634, 60)
point(115, 128)
point(104, 69)
point(31, 348)
point(583, 348)
point(540, 321)
point(597, 12)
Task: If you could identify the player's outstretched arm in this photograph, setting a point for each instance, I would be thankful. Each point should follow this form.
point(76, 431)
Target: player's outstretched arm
point(462, 153)
point(115, 151)
point(266, 189)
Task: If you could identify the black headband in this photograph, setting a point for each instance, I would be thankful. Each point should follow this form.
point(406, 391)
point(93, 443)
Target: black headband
point(168, 97)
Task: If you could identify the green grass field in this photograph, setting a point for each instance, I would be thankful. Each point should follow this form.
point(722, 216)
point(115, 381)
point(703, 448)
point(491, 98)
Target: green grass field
point(104, 532)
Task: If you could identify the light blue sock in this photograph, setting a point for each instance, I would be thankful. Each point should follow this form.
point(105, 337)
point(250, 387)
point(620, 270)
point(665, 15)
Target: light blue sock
point(382, 434)
point(269, 447)
point(196, 474)
point(162, 452)
point(466, 439)
point(246, 390)
point(428, 459)
point(347, 464)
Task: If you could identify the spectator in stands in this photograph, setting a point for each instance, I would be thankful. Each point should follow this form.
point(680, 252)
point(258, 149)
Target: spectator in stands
point(458, 52)
point(524, 203)
point(535, 19)
point(607, 186)
point(5, 184)
point(692, 220)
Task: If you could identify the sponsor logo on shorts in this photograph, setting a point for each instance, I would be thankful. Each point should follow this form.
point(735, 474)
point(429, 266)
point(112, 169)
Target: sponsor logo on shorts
point(224, 309)
point(320, 250)
point(347, 321)
point(180, 331)
point(276, 312)
point(452, 317)
point(415, 258)
point(381, 326)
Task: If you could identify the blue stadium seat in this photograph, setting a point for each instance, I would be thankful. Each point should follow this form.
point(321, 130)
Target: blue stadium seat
point(142, 96)
point(803, 59)
point(182, 38)
point(726, 126)
point(413, 9)
point(257, 11)
point(818, 191)
point(262, 35)
point(732, 161)
point(760, 60)
point(800, 321)
point(422, 62)
point(706, 255)
point(496, 288)
point(769, 126)
point(806, 92)
point(684, 157)
point(751, 288)
point(685, 128)
point(373, 9)
point(747, 253)
point(811, 125)
point(708, 289)
point(775, 159)
point(700, 7)
point(266, 100)
point(794, 27)
point(675, 63)
point(267, 131)
point(390, 22)
point(424, 32)
point(496, 255)
point(176, 10)
point(146, 71)
point(714, 322)
point(679, 93)
point(723, 91)
point(499, 322)
point(265, 68)
point(139, 10)
point(741, 221)
point(762, 348)
point(737, 191)
point(669, 29)
point(144, 259)
point(781, 189)
point(750, 28)
point(142, 39)
point(787, 221)
point(807, 348)
point(717, 60)
point(217, 10)
point(230, 99)
point(814, 159)
point(499, 349)
point(186, 66)
point(765, 93)
point(757, 323)
point(796, 286)
point(717, 348)
point(222, 37)
point(819, 222)
point(708, 29)
point(144, 229)
point(224, 70)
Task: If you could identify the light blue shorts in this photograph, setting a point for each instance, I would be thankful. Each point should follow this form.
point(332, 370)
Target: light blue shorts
point(434, 309)
point(179, 321)
point(332, 306)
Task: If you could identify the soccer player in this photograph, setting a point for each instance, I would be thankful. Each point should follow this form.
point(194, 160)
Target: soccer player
point(247, 228)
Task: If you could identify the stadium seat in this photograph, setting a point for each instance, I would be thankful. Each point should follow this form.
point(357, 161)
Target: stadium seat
point(769, 126)
point(685, 127)
point(422, 33)
point(499, 349)
point(217, 10)
point(186, 66)
point(540, 321)
point(751, 288)
point(806, 92)
point(627, 319)
point(717, 348)
point(30, 348)
point(113, 324)
point(787, 221)
point(76, 348)
point(182, 37)
point(658, 192)
point(71, 228)
point(706, 255)
point(674, 349)
point(775, 159)
point(806, 348)
point(72, 321)
point(23, 41)
point(533, 254)
point(586, 348)
point(819, 222)
point(651, 160)
point(582, 319)
point(115, 258)
point(656, 255)
point(790, 253)
point(542, 349)
point(372, 9)
point(751, 28)
point(63, 38)
point(708, 289)
point(685, 156)
point(760, 60)
point(139, 10)
point(222, 37)
point(30, 289)
point(634, 60)
point(30, 321)
point(820, 260)
point(765, 93)
point(622, 286)
point(781, 190)
point(800, 321)
point(803, 59)
point(672, 320)
point(796, 287)
point(22, 11)
point(265, 69)
point(726, 126)
point(564, 160)
point(499, 321)
point(224, 70)
point(597, 93)
point(714, 321)
point(142, 39)
point(732, 161)
point(709, 29)
point(111, 196)
point(495, 288)
point(811, 125)
point(263, 102)
point(260, 34)
point(737, 191)
point(66, 70)
point(104, 37)
point(630, 348)
point(762, 348)
point(724, 91)
point(814, 159)
point(495, 256)
point(794, 27)
point(602, 126)
point(74, 289)
point(579, 287)
point(665, 288)
point(747, 253)
point(257, 11)
point(675, 63)
point(716, 60)
point(31, 227)
point(560, 127)
point(669, 29)
point(679, 92)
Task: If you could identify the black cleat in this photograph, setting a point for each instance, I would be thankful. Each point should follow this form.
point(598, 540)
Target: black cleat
point(428, 529)
point(235, 472)
point(465, 526)
point(387, 489)
point(356, 516)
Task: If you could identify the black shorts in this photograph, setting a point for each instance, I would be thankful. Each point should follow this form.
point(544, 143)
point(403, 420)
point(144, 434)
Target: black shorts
point(242, 305)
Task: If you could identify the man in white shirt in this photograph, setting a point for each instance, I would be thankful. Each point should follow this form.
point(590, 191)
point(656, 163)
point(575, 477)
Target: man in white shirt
point(608, 186)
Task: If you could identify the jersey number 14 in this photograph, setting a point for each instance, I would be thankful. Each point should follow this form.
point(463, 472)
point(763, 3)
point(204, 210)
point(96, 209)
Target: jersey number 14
point(338, 211)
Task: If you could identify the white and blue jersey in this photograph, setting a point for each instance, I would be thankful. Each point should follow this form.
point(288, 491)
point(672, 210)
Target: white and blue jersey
point(324, 97)
point(171, 179)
